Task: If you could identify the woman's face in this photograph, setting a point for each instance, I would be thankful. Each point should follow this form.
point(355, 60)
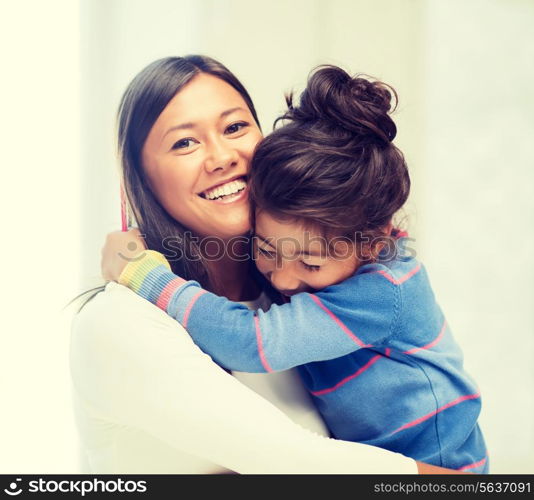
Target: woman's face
point(197, 155)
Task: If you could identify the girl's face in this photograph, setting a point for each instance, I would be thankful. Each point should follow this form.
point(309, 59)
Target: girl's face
point(197, 155)
point(297, 259)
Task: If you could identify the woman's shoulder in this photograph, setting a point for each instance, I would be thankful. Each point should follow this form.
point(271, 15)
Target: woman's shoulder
point(117, 304)
point(118, 338)
point(112, 294)
point(117, 320)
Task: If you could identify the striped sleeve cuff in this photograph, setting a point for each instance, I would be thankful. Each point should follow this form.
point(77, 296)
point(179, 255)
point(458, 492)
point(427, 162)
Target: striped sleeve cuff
point(150, 276)
point(137, 270)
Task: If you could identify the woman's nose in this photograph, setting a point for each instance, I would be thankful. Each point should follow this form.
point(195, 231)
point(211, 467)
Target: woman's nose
point(220, 156)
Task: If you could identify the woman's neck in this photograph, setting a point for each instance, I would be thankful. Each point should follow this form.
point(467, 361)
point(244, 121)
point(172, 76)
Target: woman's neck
point(231, 277)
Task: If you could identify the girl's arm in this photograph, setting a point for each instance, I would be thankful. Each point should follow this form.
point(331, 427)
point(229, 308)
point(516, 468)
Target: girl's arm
point(139, 369)
point(313, 327)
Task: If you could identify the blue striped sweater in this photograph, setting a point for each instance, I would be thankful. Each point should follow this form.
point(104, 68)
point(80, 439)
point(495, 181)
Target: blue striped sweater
point(374, 351)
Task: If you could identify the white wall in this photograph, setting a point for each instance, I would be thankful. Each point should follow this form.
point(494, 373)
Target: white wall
point(477, 180)
point(39, 207)
point(464, 72)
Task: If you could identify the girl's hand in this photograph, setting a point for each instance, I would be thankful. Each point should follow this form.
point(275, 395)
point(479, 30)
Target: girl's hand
point(120, 248)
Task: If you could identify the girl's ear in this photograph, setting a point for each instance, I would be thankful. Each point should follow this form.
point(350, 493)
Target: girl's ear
point(368, 253)
point(371, 252)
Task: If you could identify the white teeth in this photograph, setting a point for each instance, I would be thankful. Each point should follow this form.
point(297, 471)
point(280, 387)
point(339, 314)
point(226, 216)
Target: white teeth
point(227, 189)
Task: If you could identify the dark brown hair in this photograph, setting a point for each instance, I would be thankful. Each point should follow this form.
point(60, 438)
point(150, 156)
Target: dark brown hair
point(332, 165)
point(143, 101)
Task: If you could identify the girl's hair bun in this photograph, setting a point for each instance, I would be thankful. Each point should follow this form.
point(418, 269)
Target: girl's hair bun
point(355, 104)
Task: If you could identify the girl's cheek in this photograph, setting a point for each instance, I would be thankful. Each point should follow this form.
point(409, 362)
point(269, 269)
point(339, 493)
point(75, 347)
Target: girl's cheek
point(316, 283)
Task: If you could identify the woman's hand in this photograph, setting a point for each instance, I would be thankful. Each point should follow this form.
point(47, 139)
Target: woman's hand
point(423, 468)
point(120, 248)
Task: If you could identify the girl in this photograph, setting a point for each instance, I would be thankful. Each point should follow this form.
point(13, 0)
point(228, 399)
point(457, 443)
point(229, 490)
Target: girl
point(372, 345)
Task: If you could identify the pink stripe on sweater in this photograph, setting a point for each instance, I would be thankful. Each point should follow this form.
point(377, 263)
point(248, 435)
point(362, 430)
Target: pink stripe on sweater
point(168, 291)
point(338, 322)
point(431, 344)
point(259, 341)
point(404, 278)
point(459, 400)
point(190, 306)
point(367, 365)
point(475, 465)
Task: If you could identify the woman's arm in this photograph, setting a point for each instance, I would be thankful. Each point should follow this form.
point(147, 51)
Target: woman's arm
point(141, 369)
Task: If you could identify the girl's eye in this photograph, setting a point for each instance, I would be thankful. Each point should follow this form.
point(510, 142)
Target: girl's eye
point(184, 143)
point(310, 268)
point(235, 127)
point(266, 253)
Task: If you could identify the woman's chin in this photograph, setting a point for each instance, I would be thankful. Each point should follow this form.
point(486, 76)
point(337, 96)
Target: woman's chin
point(226, 227)
point(239, 231)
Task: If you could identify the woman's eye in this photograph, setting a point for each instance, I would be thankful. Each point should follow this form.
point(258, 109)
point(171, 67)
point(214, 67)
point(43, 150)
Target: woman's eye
point(235, 127)
point(310, 268)
point(184, 143)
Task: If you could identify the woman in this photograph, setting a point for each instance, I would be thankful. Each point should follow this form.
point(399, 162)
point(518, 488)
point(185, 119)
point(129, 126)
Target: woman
point(147, 399)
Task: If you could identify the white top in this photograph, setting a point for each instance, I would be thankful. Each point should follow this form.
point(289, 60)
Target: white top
point(285, 388)
point(147, 400)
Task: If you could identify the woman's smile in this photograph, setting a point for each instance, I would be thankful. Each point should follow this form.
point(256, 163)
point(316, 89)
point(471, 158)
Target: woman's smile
point(226, 192)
